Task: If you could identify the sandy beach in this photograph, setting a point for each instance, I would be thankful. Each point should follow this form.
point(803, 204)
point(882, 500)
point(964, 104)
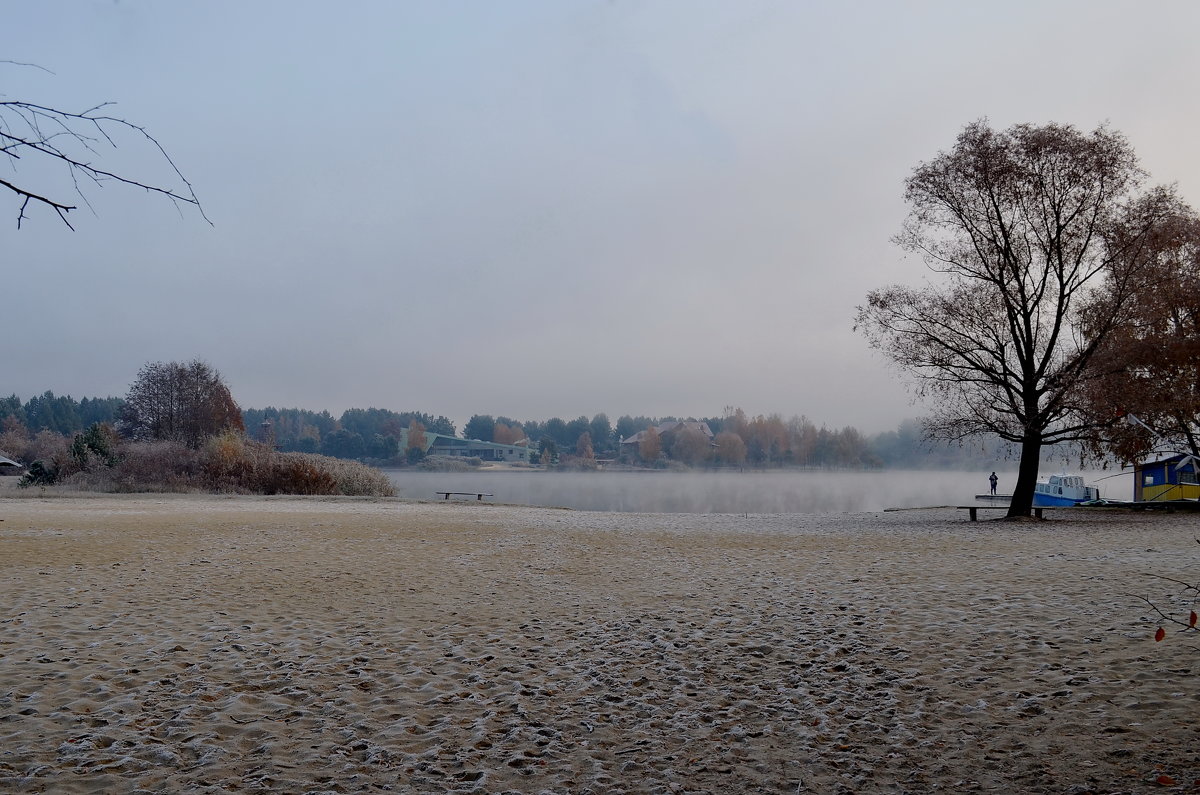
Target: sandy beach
point(166, 643)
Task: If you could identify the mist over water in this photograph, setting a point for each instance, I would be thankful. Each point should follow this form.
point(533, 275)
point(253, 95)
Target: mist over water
point(723, 492)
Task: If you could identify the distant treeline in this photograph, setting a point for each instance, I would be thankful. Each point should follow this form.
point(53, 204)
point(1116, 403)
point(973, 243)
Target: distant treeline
point(375, 434)
point(63, 415)
point(359, 433)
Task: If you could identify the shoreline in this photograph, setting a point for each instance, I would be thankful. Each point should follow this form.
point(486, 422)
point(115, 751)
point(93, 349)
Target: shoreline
point(193, 643)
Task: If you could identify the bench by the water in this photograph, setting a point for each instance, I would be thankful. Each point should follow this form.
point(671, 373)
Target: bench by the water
point(479, 495)
point(974, 509)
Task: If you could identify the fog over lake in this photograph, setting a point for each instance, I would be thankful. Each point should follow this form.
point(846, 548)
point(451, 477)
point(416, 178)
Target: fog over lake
point(726, 492)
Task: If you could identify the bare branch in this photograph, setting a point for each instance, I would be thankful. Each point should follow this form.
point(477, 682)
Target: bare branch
point(41, 134)
point(30, 65)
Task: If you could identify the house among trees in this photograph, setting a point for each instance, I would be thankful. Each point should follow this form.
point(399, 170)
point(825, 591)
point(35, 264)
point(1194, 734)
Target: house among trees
point(667, 433)
point(477, 448)
point(440, 444)
point(1171, 478)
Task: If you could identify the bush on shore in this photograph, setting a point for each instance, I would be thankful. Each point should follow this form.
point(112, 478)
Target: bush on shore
point(227, 463)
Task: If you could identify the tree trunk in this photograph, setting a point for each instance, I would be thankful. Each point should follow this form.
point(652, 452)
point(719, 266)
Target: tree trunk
point(1022, 498)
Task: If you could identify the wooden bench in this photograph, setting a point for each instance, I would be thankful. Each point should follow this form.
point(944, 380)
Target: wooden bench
point(974, 510)
point(479, 495)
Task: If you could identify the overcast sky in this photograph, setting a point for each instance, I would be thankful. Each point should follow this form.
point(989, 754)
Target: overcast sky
point(537, 209)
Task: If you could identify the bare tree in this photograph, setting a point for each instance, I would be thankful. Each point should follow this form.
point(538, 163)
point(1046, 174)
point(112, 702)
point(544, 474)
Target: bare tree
point(185, 403)
point(38, 139)
point(1020, 226)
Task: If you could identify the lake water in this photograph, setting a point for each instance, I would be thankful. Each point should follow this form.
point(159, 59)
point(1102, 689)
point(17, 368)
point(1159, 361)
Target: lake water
point(725, 492)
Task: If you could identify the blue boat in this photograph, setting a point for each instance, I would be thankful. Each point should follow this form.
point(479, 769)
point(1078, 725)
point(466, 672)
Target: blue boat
point(1062, 490)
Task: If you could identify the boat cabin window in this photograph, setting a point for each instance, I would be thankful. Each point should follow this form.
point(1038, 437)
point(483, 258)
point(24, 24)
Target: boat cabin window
point(1148, 480)
point(1187, 476)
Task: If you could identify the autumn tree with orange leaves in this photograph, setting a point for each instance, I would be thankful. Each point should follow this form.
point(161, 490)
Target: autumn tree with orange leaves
point(416, 440)
point(690, 446)
point(730, 449)
point(1151, 360)
point(503, 433)
point(650, 446)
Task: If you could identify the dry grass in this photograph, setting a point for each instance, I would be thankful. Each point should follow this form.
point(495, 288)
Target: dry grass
point(228, 463)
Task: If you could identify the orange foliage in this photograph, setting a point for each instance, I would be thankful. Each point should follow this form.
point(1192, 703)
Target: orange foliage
point(416, 436)
point(507, 434)
point(650, 447)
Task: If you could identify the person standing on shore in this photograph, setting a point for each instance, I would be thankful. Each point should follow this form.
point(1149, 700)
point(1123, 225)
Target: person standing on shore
point(993, 480)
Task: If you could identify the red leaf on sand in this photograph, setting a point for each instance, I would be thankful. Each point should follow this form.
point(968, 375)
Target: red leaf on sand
point(1160, 634)
point(1192, 619)
point(1165, 781)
